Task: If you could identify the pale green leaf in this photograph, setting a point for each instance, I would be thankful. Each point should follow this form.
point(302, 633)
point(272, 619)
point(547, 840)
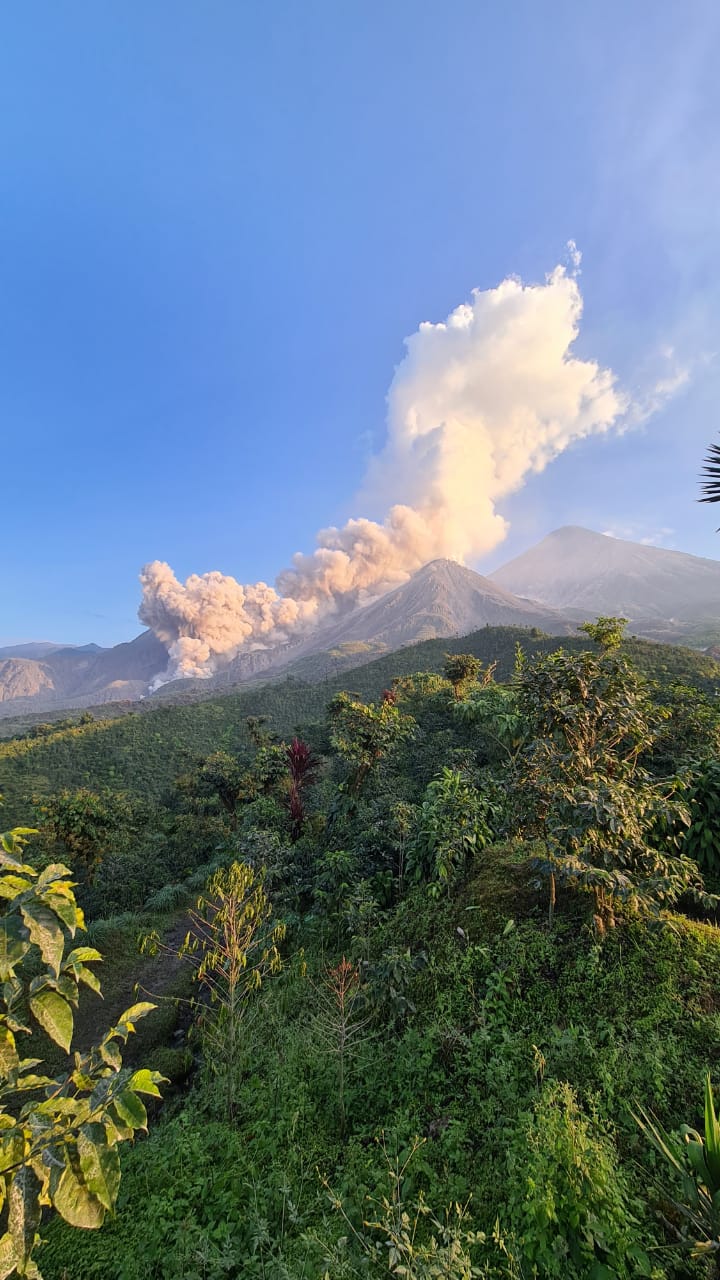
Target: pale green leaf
point(8, 1256)
point(82, 955)
point(12, 1148)
point(55, 1017)
point(146, 1082)
point(9, 1060)
point(74, 1201)
point(12, 886)
point(100, 1163)
point(45, 932)
point(24, 1214)
point(130, 1110)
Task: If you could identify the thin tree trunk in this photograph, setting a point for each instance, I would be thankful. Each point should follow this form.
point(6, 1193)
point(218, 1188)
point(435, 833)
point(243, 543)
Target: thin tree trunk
point(551, 904)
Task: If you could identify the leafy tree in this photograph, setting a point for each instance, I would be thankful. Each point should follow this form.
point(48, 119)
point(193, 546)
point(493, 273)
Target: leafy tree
point(452, 827)
point(86, 824)
point(461, 669)
point(607, 632)
point(689, 733)
point(610, 828)
point(59, 1137)
point(494, 710)
point(223, 776)
point(366, 733)
point(702, 841)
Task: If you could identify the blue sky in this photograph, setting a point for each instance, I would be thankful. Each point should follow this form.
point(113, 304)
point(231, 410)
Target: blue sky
point(220, 221)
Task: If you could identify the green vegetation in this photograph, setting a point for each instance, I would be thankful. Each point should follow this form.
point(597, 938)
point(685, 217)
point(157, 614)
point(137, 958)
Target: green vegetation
point(60, 1137)
point(387, 1056)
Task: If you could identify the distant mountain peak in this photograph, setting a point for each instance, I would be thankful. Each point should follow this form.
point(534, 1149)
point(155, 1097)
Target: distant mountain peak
point(588, 572)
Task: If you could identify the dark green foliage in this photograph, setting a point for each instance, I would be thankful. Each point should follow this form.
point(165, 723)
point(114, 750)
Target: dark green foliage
point(451, 827)
point(702, 841)
point(449, 1035)
point(461, 670)
point(364, 734)
point(694, 1159)
point(611, 828)
point(82, 826)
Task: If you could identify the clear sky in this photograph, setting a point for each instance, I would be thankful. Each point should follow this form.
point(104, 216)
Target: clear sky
point(220, 221)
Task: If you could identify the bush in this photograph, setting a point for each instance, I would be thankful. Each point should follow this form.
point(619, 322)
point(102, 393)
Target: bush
point(569, 1202)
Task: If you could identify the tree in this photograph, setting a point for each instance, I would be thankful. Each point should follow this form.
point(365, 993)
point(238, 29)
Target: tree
point(463, 670)
point(452, 828)
point(223, 776)
point(86, 824)
point(607, 632)
point(610, 828)
point(366, 733)
point(232, 947)
point(59, 1137)
point(302, 767)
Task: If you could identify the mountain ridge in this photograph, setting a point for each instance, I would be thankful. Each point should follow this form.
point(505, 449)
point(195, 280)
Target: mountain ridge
point(662, 592)
point(571, 575)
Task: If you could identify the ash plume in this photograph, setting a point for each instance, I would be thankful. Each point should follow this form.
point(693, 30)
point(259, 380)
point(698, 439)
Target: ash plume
point(479, 402)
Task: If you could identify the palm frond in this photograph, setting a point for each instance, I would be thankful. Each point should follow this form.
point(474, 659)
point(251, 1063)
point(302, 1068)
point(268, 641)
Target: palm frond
point(710, 475)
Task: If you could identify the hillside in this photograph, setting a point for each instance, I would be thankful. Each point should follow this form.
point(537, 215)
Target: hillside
point(443, 1023)
point(143, 749)
point(571, 575)
point(665, 594)
point(442, 599)
point(78, 676)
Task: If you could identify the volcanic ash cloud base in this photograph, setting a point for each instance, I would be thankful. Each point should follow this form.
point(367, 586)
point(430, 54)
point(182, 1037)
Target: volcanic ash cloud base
point(480, 401)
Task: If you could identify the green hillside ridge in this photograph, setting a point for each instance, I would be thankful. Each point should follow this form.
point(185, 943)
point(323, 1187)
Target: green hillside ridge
point(439, 842)
point(143, 749)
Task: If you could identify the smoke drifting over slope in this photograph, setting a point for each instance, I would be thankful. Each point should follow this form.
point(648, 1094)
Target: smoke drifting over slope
point(479, 402)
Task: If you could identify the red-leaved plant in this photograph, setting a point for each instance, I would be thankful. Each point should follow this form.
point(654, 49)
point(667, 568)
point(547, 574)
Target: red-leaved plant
point(302, 773)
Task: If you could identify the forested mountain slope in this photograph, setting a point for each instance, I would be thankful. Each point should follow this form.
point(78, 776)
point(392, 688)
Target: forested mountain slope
point(144, 750)
point(495, 944)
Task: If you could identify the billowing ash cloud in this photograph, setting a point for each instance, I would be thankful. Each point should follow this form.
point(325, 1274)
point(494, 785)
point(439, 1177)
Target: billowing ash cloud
point(479, 402)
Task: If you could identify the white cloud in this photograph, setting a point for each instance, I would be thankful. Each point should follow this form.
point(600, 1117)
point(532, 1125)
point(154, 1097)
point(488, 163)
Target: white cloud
point(479, 402)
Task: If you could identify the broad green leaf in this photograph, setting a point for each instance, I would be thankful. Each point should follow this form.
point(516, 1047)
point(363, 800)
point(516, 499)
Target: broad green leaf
point(45, 932)
point(146, 1082)
point(24, 1214)
point(110, 1054)
point(55, 1017)
point(9, 1060)
point(135, 1013)
point(90, 979)
point(100, 1163)
point(65, 907)
point(12, 1148)
point(55, 871)
point(13, 946)
point(130, 1110)
point(82, 955)
point(8, 1256)
point(11, 886)
point(74, 1201)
